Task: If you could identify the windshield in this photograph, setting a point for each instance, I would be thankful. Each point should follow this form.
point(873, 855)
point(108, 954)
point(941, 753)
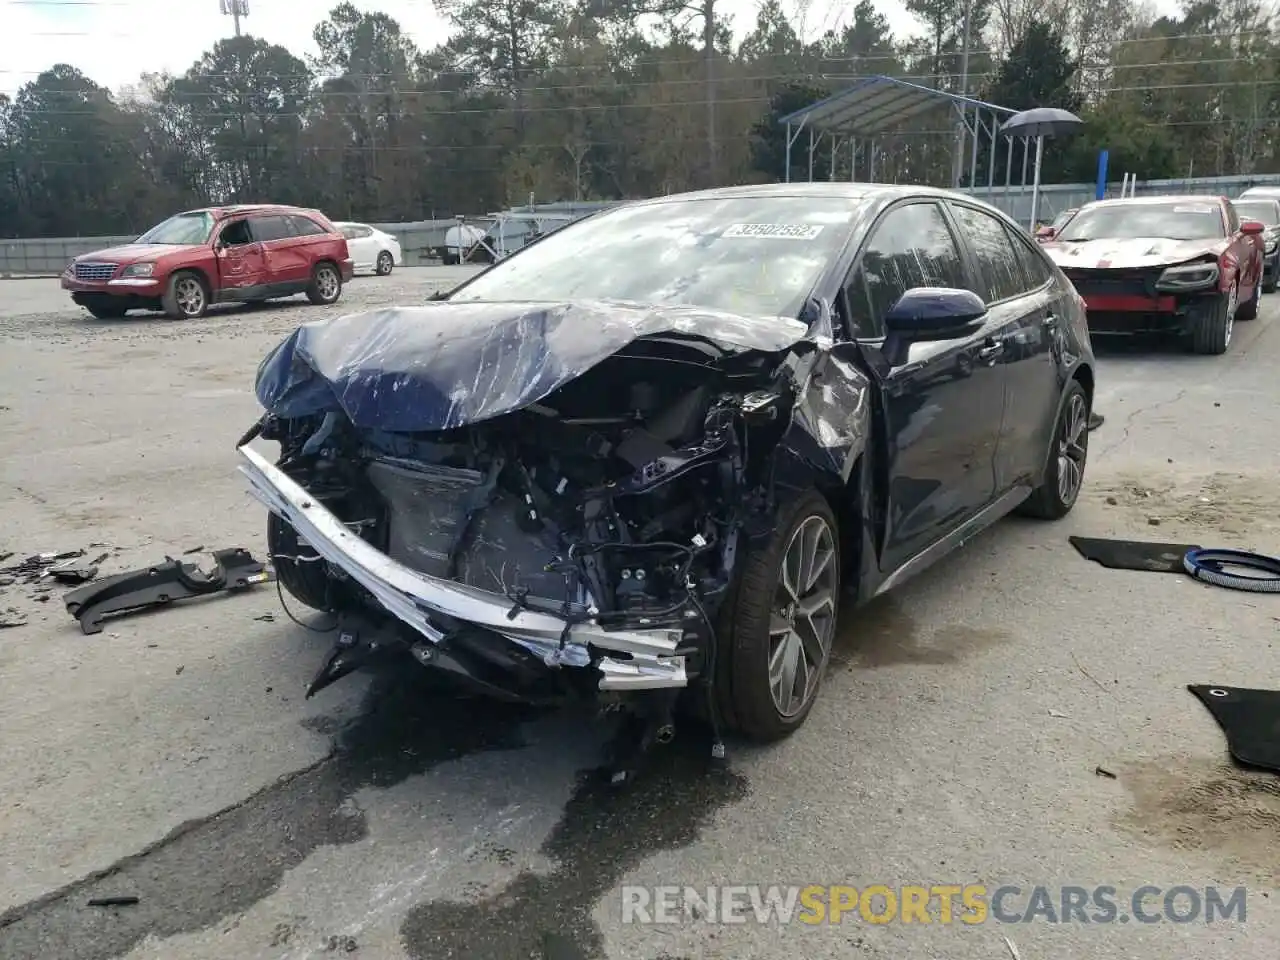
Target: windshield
point(759, 256)
point(1182, 220)
point(1060, 220)
point(183, 229)
point(1265, 211)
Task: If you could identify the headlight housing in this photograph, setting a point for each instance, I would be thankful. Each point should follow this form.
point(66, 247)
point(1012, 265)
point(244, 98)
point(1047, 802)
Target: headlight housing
point(1269, 246)
point(138, 270)
point(1189, 276)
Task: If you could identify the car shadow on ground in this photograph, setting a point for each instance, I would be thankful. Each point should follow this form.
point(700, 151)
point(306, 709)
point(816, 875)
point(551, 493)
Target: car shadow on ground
point(410, 722)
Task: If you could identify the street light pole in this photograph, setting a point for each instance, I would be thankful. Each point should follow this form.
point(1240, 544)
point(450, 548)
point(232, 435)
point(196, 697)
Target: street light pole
point(957, 167)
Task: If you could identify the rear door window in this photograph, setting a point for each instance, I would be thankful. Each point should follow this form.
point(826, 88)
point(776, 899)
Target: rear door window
point(996, 258)
point(1035, 266)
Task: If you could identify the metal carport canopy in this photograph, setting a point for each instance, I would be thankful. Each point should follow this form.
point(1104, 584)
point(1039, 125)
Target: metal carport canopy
point(878, 105)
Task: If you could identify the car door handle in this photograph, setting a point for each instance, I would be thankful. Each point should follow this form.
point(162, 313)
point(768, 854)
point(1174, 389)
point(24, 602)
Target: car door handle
point(992, 350)
point(1050, 321)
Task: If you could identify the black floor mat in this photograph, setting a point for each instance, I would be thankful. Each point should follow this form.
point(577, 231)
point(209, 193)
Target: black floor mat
point(1134, 554)
point(1251, 721)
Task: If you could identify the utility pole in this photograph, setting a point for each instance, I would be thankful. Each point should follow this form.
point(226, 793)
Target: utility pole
point(234, 9)
point(957, 164)
point(709, 51)
point(237, 9)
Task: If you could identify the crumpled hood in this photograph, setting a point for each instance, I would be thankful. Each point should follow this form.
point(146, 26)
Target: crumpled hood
point(134, 252)
point(1120, 254)
point(444, 365)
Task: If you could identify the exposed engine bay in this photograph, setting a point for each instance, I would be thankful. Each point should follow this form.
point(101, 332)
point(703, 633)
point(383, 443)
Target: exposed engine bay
point(618, 499)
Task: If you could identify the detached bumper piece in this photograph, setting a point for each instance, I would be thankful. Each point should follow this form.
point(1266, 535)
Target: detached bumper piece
point(630, 658)
point(234, 569)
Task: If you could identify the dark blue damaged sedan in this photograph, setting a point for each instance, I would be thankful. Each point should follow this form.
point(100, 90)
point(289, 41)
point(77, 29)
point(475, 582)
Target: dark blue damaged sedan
point(641, 460)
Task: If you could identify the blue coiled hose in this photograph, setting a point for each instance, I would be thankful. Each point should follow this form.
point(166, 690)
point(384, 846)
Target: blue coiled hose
point(1207, 565)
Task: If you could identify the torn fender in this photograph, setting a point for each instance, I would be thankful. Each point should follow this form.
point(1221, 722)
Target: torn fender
point(831, 418)
point(446, 365)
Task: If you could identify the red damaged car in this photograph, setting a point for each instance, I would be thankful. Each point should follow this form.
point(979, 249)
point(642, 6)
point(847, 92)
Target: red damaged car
point(1187, 266)
point(234, 254)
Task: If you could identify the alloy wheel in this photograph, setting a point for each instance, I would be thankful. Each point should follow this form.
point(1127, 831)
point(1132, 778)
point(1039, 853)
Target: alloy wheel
point(384, 263)
point(804, 616)
point(327, 282)
point(1073, 449)
point(1233, 299)
point(189, 294)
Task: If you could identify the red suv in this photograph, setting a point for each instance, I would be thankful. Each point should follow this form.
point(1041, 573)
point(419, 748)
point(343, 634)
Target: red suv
point(237, 254)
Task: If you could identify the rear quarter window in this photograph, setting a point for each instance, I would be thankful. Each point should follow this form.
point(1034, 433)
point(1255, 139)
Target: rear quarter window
point(305, 227)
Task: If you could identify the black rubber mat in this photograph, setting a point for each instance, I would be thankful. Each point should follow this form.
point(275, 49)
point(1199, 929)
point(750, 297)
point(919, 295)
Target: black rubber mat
point(1251, 721)
point(1134, 554)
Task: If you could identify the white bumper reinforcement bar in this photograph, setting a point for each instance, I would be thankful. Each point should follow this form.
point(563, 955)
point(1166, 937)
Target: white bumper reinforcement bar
point(411, 596)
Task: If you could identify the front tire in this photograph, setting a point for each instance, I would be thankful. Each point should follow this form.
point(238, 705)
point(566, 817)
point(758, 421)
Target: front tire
point(1249, 311)
point(779, 624)
point(186, 297)
point(1068, 456)
point(326, 284)
point(301, 570)
point(386, 263)
point(1211, 329)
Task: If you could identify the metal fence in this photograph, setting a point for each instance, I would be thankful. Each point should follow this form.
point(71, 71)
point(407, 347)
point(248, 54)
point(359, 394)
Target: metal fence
point(49, 256)
point(1056, 197)
point(418, 238)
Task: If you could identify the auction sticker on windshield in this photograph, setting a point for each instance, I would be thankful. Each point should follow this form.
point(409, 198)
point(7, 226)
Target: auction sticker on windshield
point(773, 231)
point(1196, 208)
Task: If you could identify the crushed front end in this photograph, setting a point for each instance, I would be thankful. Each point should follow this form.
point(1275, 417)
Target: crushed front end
point(578, 544)
point(1166, 299)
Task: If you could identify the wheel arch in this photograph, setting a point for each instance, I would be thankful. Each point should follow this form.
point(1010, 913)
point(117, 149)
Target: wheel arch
point(200, 274)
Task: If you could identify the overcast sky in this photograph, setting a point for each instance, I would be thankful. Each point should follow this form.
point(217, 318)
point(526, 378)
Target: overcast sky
point(113, 41)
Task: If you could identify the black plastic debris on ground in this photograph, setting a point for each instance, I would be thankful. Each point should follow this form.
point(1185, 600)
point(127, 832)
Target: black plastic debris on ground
point(36, 567)
point(1251, 721)
point(1134, 554)
point(234, 569)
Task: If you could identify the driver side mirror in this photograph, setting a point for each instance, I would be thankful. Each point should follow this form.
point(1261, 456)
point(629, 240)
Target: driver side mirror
point(1046, 233)
point(1252, 228)
point(930, 314)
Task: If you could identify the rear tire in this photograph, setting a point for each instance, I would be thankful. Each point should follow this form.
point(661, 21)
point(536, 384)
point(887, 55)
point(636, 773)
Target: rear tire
point(386, 263)
point(307, 580)
point(186, 297)
point(326, 284)
point(1211, 329)
point(765, 637)
point(1068, 455)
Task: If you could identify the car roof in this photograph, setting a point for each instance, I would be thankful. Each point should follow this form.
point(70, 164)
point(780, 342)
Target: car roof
point(240, 209)
point(861, 192)
point(1162, 200)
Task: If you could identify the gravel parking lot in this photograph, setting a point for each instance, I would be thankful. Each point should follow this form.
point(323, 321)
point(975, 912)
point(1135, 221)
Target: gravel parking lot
point(172, 757)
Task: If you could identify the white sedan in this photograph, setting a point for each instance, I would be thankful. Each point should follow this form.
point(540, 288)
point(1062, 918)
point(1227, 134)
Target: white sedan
point(371, 249)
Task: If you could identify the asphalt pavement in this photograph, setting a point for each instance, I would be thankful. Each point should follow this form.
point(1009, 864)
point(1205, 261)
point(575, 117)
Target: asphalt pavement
point(958, 739)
